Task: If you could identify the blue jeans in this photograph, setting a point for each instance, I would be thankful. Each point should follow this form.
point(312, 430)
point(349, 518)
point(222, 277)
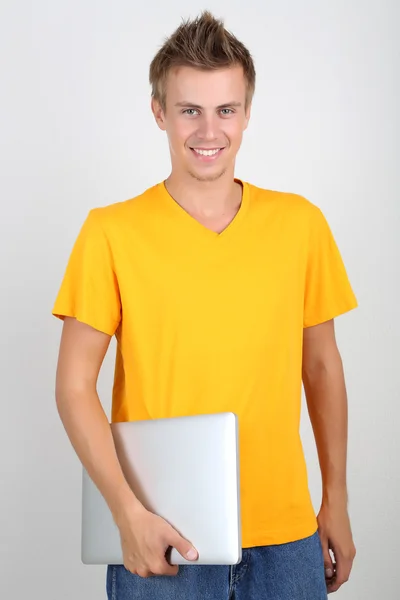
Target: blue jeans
point(293, 571)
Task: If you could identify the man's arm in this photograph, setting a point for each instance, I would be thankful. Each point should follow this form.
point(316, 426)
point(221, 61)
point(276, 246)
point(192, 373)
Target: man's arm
point(325, 390)
point(81, 354)
point(144, 536)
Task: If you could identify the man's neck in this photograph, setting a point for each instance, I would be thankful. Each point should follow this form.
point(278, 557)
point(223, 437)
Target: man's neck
point(206, 200)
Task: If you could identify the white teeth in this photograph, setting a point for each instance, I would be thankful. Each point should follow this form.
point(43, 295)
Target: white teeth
point(206, 152)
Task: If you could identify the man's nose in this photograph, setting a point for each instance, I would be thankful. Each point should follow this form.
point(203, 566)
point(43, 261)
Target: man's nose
point(208, 128)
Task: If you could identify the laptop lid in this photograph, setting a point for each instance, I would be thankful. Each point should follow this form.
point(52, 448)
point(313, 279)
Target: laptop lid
point(184, 469)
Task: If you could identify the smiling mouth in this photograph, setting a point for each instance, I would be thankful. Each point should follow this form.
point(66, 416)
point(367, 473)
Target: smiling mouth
point(207, 153)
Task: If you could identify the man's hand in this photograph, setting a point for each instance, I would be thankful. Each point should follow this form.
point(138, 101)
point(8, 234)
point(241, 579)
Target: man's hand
point(145, 539)
point(335, 533)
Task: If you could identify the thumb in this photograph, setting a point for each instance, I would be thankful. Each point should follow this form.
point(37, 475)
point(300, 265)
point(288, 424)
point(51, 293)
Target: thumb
point(328, 564)
point(184, 547)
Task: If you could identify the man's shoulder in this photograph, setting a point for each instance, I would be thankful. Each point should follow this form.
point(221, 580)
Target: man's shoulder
point(282, 200)
point(124, 210)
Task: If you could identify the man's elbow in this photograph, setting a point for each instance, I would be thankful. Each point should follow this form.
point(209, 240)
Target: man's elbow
point(71, 392)
point(322, 366)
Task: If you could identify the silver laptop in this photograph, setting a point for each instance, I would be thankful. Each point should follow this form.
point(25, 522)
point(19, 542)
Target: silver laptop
point(184, 469)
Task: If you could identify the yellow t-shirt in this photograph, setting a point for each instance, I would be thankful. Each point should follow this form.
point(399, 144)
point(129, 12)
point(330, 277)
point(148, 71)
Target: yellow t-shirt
point(209, 322)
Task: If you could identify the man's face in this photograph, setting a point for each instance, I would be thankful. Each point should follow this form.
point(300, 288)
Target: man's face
point(204, 119)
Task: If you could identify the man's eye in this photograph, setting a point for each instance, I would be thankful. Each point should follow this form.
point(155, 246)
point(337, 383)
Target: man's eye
point(189, 111)
point(227, 111)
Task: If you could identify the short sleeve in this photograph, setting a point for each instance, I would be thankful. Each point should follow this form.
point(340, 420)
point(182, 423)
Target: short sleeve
point(328, 292)
point(89, 291)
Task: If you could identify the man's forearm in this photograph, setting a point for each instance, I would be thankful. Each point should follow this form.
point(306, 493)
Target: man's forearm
point(326, 395)
point(90, 434)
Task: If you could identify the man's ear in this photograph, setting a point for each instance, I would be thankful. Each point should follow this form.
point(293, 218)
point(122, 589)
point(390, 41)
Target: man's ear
point(158, 114)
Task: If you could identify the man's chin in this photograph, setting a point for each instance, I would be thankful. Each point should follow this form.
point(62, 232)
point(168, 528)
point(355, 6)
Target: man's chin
point(207, 177)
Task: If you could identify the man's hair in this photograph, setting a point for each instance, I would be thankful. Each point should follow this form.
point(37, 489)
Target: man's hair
point(204, 44)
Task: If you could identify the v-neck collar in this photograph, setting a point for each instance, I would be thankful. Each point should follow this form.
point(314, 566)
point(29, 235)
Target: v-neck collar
point(198, 228)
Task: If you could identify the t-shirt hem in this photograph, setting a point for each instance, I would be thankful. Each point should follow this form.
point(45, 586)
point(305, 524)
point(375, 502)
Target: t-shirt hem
point(332, 315)
point(102, 327)
point(272, 538)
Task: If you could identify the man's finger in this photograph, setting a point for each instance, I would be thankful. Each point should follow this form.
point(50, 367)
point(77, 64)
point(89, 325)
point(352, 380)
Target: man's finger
point(185, 548)
point(143, 573)
point(343, 568)
point(162, 567)
point(328, 563)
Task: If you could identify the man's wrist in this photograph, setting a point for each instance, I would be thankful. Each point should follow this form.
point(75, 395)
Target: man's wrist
point(124, 505)
point(336, 495)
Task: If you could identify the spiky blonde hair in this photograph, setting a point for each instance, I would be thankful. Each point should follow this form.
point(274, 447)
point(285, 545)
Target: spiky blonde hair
point(205, 44)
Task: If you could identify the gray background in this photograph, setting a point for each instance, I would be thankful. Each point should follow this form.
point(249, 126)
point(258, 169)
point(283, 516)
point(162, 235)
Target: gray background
point(77, 132)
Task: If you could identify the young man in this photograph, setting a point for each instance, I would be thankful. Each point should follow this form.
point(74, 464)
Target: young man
point(222, 297)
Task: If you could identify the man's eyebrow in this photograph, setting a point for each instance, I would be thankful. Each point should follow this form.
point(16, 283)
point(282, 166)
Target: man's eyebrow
point(193, 105)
